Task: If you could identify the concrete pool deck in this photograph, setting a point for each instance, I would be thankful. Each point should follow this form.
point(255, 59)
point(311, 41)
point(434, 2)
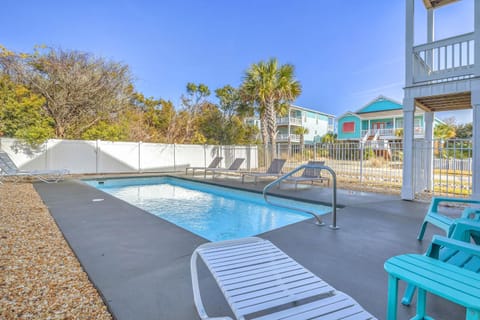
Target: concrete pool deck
point(140, 263)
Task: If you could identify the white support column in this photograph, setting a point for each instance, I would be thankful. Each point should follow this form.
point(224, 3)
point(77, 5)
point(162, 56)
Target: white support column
point(476, 140)
point(430, 26)
point(408, 192)
point(409, 40)
point(428, 118)
point(476, 50)
point(476, 105)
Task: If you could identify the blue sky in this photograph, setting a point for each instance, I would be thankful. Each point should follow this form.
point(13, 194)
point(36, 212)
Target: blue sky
point(345, 53)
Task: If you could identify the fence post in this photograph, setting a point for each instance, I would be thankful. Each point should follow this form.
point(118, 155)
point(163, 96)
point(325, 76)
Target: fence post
point(205, 155)
point(234, 151)
point(139, 156)
point(249, 163)
point(97, 154)
point(46, 154)
point(361, 162)
point(174, 158)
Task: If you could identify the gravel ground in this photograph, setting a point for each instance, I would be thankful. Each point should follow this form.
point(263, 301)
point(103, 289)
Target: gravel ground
point(40, 277)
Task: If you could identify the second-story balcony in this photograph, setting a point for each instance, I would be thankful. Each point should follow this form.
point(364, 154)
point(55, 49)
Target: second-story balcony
point(444, 60)
point(283, 137)
point(389, 133)
point(289, 121)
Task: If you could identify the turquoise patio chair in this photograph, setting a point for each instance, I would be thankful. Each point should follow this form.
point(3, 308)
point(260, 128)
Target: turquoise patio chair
point(465, 230)
point(443, 221)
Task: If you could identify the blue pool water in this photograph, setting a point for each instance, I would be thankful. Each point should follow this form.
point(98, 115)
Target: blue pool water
point(212, 212)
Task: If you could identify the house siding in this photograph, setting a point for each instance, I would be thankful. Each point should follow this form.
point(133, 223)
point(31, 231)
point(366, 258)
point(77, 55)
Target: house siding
point(355, 134)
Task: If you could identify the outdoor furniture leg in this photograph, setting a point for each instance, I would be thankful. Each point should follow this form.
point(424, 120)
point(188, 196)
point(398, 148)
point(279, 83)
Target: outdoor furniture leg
point(421, 304)
point(392, 297)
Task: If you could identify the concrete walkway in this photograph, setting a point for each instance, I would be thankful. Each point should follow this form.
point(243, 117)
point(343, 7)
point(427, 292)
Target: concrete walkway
point(140, 263)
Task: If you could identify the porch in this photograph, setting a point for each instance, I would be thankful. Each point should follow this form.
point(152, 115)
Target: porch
point(440, 75)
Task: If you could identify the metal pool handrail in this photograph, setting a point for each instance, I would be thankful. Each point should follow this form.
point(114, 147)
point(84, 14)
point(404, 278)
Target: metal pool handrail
point(334, 193)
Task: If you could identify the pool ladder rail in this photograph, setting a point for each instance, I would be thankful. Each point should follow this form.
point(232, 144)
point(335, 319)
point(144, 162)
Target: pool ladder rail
point(317, 217)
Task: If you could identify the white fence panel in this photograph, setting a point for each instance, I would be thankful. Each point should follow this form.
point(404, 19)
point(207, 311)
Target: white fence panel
point(117, 157)
point(157, 157)
point(190, 155)
point(77, 156)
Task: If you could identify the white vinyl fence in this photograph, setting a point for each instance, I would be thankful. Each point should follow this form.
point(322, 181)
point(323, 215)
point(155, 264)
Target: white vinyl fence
point(98, 156)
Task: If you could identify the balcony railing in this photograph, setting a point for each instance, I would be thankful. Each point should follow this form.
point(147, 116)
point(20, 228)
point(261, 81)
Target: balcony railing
point(381, 132)
point(388, 133)
point(281, 137)
point(443, 60)
point(291, 121)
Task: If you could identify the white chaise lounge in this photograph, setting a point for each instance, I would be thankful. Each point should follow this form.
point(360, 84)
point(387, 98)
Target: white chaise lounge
point(260, 281)
point(8, 169)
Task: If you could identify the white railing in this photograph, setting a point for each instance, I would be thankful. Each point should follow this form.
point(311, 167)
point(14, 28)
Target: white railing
point(284, 137)
point(446, 59)
point(287, 120)
point(382, 133)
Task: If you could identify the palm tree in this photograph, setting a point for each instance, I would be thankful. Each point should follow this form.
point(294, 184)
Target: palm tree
point(271, 88)
point(301, 131)
point(445, 131)
point(329, 138)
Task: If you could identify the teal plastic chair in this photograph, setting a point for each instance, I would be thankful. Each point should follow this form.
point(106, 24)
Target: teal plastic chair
point(465, 230)
point(444, 222)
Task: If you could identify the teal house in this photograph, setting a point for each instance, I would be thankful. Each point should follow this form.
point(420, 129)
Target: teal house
point(380, 119)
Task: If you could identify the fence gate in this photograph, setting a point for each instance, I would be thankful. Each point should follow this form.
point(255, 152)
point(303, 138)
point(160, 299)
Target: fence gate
point(443, 167)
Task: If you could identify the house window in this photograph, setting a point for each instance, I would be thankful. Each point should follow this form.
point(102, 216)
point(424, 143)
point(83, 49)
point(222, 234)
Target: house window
point(348, 127)
point(399, 123)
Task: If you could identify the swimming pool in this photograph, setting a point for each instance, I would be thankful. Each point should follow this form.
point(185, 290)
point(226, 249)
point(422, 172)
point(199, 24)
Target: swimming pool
point(212, 212)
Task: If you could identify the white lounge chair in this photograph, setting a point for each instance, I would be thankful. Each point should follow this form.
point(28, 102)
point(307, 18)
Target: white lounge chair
point(234, 168)
point(261, 281)
point(273, 171)
point(310, 175)
point(9, 169)
point(214, 164)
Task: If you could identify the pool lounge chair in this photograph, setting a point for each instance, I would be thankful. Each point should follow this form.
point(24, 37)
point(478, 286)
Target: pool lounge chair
point(214, 164)
point(8, 169)
point(260, 281)
point(273, 171)
point(443, 221)
point(310, 175)
point(234, 167)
